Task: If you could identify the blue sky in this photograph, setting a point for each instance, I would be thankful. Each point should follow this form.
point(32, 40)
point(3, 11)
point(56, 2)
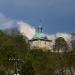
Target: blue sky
point(56, 15)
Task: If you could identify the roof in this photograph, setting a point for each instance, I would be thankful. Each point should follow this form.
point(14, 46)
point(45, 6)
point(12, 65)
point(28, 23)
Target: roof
point(40, 35)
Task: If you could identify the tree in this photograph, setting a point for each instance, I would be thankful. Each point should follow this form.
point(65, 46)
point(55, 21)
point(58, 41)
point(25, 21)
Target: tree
point(2, 70)
point(61, 44)
point(27, 68)
point(12, 46)
point(73, 41)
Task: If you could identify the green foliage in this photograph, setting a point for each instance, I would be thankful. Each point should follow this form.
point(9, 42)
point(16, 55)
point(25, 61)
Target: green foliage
point(37, 62)
point(2, 72)
point(61, 44)
point(15, 46)
point(27, 69)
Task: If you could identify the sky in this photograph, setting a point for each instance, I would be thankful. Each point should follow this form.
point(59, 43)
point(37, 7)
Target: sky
point(55, 15)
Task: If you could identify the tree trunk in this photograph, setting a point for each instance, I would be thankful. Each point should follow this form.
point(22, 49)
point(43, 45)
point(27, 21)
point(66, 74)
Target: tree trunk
point(71, 70)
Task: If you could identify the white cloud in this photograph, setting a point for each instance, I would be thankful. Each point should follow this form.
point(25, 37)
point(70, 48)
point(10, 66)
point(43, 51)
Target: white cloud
point(5, 22)
point(51, 37)
point(7, 25)
point(66, 36)
point(26, 29)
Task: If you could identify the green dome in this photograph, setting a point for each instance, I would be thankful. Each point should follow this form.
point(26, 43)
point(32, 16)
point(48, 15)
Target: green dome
point(40, 36)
